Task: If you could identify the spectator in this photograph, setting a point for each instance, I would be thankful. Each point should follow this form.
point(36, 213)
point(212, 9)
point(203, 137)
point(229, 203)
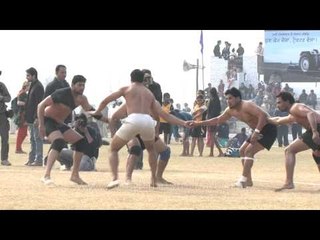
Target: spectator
point(235, 143)
point(303, 98)
point(19, 117)
point(216, 50)
point(283, 130)
point(91, 149)
point(312, 99)
point(260, 60)
point(35, 96)
point(186, 108)
point(214, 110)
point(240, 50)
point(4, 124)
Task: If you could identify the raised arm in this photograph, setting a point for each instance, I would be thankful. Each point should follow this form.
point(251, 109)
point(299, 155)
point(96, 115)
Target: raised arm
point(281, 120)
point(112, 97)
point(214, 121)
point(157, 110)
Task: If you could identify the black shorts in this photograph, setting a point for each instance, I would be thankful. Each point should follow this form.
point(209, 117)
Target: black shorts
point(143, 147)
point(52, 125)
point(307, 139)
point(269, 132)
point(165, 128)
point(198, 132)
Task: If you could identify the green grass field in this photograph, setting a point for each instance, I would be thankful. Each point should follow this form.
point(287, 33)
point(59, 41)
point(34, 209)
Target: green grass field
point(203, 183)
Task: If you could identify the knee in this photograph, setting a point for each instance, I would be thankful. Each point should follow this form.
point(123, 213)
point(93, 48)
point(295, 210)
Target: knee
point(288, 150)
point(241, 152)
point(80, 145)
point(58, 144)
point(165, 155)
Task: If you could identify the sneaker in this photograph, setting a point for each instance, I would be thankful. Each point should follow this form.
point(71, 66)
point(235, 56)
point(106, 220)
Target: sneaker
point(64, 168)
point(36, 164)
point(28, 163)
point(47, 181)
point(113, 184)
point(240, 184)
point(5, 163)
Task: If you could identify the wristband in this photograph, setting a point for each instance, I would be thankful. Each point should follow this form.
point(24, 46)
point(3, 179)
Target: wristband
point(257, 131)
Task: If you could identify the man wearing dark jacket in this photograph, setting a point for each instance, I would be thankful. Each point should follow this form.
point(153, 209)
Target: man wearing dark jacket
point(35, 96)
point(58, 82)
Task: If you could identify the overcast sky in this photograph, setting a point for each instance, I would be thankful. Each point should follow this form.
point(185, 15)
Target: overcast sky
point(106, 57)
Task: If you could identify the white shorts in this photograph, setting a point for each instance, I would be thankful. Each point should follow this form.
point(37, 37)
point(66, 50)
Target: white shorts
point(137, 123)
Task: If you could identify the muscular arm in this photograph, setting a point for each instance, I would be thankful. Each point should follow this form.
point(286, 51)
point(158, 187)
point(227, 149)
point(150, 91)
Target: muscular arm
point(281, 120)
point(312, 118)
point(85, 104)
point(112, 97)
point(214, 121)
point(157, 110)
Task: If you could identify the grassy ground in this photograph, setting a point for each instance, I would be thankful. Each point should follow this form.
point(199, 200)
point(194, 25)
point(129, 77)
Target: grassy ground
point(199, 183)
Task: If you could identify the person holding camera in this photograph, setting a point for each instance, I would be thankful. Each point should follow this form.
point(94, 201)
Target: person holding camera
point(4, 123)
point(91, 148)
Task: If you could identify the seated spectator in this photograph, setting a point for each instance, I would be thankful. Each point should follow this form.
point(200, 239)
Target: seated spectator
point(238, 139)
point(235, 143)
point(223, 134)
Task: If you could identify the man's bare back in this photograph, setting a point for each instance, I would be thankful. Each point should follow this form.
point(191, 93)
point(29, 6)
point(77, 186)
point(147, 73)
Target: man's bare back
point(139, 99)
point(300, 111)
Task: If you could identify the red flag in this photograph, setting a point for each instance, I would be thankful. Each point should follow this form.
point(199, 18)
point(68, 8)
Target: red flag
point(201, 41)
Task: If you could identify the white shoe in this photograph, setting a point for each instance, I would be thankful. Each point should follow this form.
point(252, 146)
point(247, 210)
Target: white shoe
point(113, 184)
point(63, 168)
point(47, 181)
point(240, 184)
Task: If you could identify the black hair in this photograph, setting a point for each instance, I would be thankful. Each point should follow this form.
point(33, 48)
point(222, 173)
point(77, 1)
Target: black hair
point(286, 96)
point(213, 92)
point(234, 92)
point(78, 78)
point(32, 71)
point(137, 76)
point(59, 66)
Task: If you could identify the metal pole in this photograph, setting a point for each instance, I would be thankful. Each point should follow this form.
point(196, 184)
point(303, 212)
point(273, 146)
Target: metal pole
point(202, 73)
point(197, 75)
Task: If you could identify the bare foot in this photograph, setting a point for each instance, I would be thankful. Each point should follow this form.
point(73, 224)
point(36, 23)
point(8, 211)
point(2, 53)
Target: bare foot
point(153, 183)
point(249, 183)
point(163, 181)
point(221, 155)
point(286, 186)
point(78, 181)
